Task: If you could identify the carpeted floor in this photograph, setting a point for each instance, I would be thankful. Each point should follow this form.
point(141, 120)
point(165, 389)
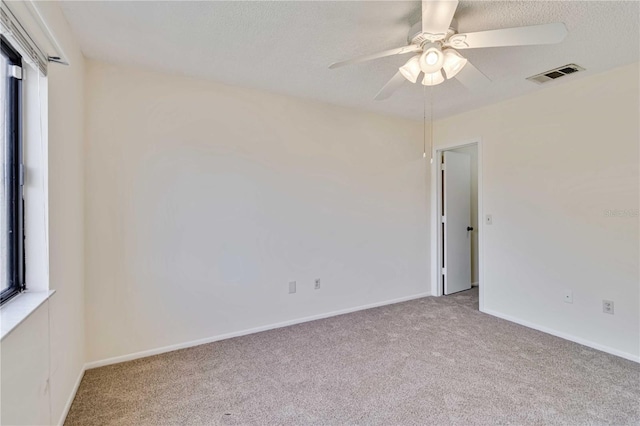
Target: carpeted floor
point(432, 361)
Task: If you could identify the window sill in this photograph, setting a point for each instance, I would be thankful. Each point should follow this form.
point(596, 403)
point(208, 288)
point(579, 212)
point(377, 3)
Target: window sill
point(18, 309)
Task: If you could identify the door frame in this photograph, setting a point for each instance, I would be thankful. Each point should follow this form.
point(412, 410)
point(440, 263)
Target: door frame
point(436, 206)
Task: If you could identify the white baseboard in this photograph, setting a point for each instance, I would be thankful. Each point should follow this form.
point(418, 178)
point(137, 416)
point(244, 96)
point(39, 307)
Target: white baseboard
point(143, 354)
point(67, 406)
point(565, 336)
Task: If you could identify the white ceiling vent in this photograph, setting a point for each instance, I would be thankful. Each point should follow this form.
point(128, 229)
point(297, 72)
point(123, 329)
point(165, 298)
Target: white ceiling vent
point(555, 73)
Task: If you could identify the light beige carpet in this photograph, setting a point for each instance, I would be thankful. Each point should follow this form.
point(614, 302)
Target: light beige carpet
point(432, 361)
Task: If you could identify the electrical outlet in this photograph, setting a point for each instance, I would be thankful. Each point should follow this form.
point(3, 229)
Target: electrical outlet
point(607, 306)
point(488, 220)
point(317, 284)
point(568, 296)
point(292, 287)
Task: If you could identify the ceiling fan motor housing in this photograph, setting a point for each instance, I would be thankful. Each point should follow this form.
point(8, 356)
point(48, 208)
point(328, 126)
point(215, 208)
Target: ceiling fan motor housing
point(417, 37)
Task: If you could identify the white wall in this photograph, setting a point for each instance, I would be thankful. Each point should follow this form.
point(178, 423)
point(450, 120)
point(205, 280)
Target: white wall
point(203, 201)
point(472, 152)
point(49, 346)
point(553, 162)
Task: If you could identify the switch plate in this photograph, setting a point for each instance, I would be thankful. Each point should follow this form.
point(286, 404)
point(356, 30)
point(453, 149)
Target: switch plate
point(292, 287)
point(488, 220)
point(317, 284)
point(568, 296)
point(607, 306)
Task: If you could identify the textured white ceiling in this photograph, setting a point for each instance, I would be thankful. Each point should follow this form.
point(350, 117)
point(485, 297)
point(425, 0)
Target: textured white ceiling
point(286, 47)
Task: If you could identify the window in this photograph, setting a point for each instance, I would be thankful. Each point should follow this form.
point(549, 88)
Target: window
point(11, 200)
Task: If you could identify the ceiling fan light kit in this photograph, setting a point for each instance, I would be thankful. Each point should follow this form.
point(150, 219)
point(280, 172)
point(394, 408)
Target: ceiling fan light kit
point(432, 62)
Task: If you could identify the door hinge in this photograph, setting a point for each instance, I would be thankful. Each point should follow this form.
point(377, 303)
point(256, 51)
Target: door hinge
point(15, 71)
point(442, 167)
point(443, 219)
point(444, 271)
point(21, 175)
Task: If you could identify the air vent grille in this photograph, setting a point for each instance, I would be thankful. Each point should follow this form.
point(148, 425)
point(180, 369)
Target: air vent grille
point(555, 73)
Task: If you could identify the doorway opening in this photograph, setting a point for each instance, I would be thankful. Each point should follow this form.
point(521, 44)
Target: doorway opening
point(457, 225)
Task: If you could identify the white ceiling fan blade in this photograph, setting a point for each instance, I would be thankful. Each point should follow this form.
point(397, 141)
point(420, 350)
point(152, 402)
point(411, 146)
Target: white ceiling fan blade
point(472, 78)
point(391, 86)
point(398, 51)
point(520, 36)
point(437, 16)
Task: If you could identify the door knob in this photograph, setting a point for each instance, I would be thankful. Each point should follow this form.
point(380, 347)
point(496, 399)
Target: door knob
point(469, 228)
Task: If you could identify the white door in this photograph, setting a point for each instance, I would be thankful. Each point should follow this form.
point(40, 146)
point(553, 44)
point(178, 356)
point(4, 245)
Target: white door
point(457, 222)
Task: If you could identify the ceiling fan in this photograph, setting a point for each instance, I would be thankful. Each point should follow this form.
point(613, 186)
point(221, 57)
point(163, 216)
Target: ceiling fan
point(436, 41)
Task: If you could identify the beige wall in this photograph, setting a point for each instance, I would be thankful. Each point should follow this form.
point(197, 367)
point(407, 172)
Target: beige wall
point(48, 374)
point(553, 163)
point(66, 214)
point(24, 354)
point(203, 201)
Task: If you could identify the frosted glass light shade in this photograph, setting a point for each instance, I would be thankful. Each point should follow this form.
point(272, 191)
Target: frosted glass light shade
point(411, 70)
point(453, 63)
point(433, 78)
point(431, 59)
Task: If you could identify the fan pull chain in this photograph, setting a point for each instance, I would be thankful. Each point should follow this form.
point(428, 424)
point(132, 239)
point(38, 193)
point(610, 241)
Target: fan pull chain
point(424, 122)
point(431, 126)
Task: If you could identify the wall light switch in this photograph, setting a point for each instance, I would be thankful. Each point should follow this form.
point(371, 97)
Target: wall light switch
point(568, 296)
point(488, 220)
point(317, 284)
point(292, 287)
point(607, 306)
